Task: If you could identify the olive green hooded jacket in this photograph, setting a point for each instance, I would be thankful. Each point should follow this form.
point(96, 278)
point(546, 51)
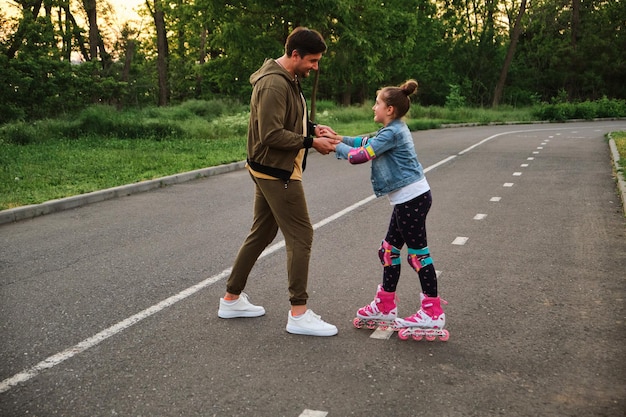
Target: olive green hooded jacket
point(276, 131)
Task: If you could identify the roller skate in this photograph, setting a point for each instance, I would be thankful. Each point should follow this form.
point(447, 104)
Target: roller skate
point(427, 323)
point(381, 313)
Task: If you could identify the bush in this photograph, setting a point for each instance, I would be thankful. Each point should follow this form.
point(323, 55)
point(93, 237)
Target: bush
point(422, 124)
point(585, 110)
point(559, 111)
point(229, 126)
point(19, 133)
point(455, 99)
point(106, 121)
point(611, 108)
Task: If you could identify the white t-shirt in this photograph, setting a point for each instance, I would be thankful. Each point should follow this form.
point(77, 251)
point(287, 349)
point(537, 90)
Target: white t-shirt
point(408, 192)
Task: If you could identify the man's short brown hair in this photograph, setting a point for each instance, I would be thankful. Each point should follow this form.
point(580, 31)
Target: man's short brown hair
point(306, 41)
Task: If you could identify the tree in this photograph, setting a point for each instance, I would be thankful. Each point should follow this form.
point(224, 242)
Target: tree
point(30, 12)
point(158, 14)
point(517, 29)
point(96, 43)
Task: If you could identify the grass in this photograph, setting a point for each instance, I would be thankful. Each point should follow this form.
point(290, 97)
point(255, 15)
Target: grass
point(102, 147)
point(35, 173)
point(620, 143)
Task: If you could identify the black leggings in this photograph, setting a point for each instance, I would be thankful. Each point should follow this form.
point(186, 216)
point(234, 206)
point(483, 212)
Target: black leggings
point(408, 226)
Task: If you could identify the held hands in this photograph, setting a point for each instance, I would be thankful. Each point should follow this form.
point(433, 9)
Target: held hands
point(326, 139)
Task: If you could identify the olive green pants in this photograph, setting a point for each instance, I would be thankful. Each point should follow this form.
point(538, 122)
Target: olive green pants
point(277, 205)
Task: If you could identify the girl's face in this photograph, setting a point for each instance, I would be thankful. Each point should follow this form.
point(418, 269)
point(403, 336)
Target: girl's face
point(382, 112)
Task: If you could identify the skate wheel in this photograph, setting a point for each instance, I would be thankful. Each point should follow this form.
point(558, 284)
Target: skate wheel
point(417, 336)
point(403, 334)
point(358, 323)
point(371, 324)
point(431, 337)
point(445, 336)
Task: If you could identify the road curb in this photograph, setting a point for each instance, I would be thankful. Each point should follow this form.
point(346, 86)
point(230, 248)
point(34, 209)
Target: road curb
point(619, 176)
point(52, 206)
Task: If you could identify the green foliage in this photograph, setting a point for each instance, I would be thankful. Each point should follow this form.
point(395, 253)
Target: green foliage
point(560, 111)
point(106, 121)
point(230, 125)
point(454, 49)
point(620, 144)
point(208, 109)
point(19, 133)
point(611, 107)
point(455, 99)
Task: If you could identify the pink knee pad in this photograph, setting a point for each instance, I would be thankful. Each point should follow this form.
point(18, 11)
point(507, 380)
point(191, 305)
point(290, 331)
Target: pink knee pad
point(389, 254)
point(419, 258)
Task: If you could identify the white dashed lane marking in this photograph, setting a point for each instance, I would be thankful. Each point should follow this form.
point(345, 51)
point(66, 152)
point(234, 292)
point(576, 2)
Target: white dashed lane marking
point(381, 334)
point(313, 413)
point(460, 240)
point(480, 216)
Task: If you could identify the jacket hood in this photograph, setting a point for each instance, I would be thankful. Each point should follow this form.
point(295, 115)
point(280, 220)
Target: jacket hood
point(270, 66)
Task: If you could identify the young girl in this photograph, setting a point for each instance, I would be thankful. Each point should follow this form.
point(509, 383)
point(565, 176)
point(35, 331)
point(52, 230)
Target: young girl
point(397, 173)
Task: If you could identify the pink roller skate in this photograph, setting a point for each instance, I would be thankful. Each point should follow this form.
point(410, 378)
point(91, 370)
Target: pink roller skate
point(427, 323)
point(382, 312)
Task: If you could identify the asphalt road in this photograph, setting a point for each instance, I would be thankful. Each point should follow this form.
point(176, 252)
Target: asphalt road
point(111, 309)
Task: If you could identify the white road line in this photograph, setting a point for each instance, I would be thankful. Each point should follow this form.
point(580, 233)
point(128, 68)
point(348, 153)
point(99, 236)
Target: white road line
point(508, 184)
point(92, 341)
point(480, 216)
point(105, 334)
point(495, 199)
point(517, 174)
point(460, 240)
point(313, 413)
point(381, 334)
point(524, 166)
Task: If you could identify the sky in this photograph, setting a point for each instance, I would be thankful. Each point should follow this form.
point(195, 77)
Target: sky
point(124, 9)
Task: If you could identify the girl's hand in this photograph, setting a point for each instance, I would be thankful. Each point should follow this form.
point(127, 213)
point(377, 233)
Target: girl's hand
point(332, 135)
point(323, 130)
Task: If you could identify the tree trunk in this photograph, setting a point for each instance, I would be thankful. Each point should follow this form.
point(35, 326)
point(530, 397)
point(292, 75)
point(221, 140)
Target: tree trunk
point(575, 22)
point(92, 20)
point(96, 43)
point(76, 31)
point(162, 50)
point(517, 29)
point(201, 61)
point(128, 59)
point(65, 28)
point(314, 95)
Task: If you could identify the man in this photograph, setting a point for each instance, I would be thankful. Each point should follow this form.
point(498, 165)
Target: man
point(279, 136)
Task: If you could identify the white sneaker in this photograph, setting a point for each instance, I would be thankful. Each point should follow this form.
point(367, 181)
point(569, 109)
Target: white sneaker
point(310, 324)
point(241, 307)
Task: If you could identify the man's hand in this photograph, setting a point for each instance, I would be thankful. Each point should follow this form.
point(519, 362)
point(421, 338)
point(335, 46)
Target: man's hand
point(325, 145)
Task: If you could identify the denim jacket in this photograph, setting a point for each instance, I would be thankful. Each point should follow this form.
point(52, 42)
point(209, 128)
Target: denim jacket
point(394, 164)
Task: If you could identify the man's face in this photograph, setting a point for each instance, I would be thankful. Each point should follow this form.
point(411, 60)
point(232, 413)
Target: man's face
point(304, 65)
